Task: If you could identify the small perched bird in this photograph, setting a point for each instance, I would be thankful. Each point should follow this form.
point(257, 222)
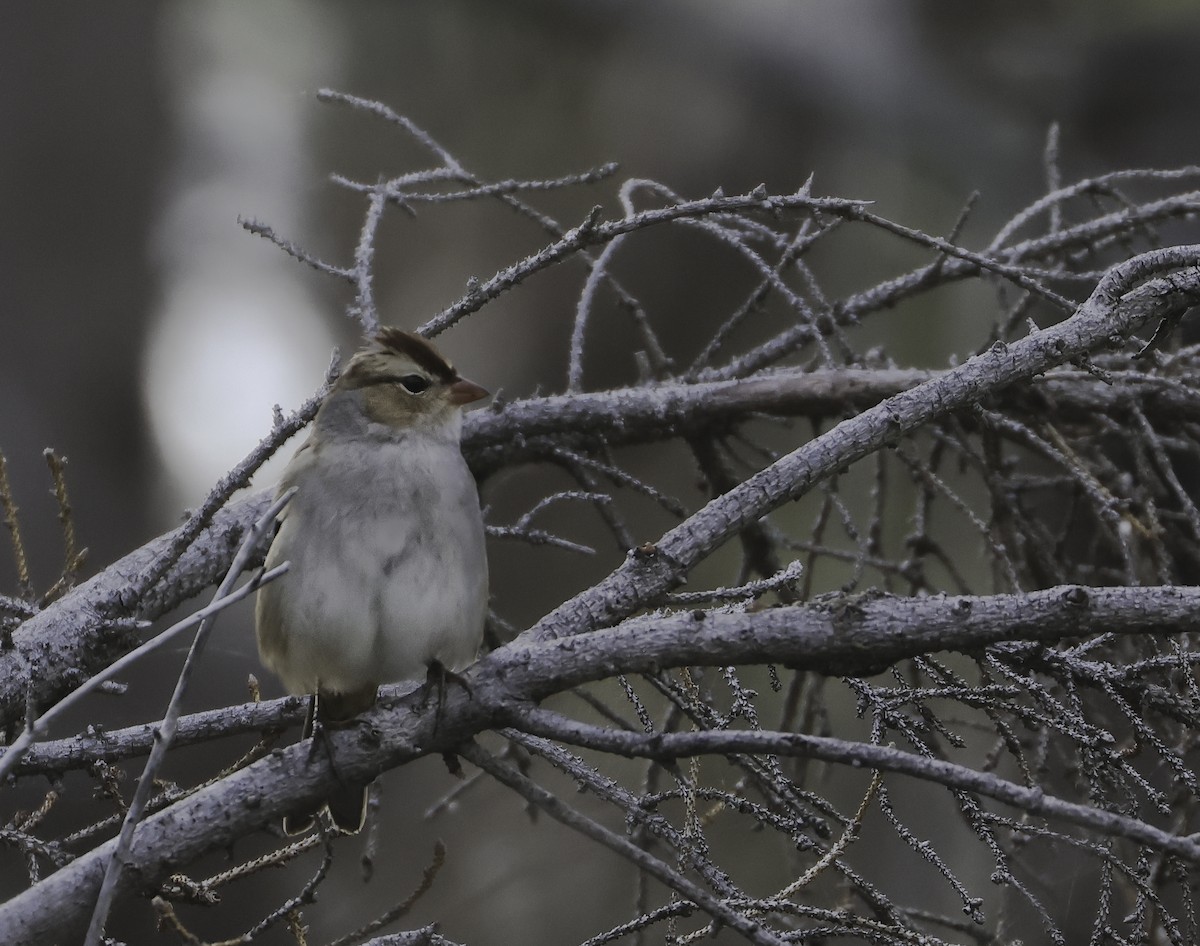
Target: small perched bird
point(385, 537)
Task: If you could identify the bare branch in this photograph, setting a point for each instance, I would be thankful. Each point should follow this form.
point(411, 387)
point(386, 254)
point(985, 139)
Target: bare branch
point(829, 637)
point(38, 726)
point(553, 806)
point(671, 746)
point(9, 504)
point(1059, 460)
point(1120, 304)
point(166, 733)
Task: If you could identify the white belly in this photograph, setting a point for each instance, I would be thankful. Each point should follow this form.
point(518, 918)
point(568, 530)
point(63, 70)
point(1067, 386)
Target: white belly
point(388, 571)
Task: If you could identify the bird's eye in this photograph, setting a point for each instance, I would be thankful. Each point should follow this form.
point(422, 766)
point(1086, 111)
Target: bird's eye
point(414, 383)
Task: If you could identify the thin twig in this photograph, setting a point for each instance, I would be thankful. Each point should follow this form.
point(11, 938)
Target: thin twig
point(9, 504)
point(38, 726)
point(428, 876)
point(884, 758)
point(290, 909)
point(115, 865)
point(231, 482)
point(553, 806)
point(73, 557)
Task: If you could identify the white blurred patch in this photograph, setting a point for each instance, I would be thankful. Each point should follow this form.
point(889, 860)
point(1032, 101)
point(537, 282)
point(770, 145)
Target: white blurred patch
point(218, 359)
point(238, 330)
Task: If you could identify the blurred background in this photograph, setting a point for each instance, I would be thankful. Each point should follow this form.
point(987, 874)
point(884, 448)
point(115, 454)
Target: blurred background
point(147, 336)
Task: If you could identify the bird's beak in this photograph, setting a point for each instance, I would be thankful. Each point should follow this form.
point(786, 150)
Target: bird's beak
point(463, 391)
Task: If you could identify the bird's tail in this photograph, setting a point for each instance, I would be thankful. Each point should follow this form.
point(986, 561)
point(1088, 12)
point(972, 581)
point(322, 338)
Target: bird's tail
point(348, 803)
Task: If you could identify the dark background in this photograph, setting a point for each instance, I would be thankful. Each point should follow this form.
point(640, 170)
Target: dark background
point(146, 336)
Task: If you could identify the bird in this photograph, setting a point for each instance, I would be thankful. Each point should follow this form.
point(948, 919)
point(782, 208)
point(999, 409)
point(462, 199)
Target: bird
point(388, 574)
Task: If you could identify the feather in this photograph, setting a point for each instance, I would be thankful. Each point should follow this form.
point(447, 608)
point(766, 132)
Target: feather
point(418, 349)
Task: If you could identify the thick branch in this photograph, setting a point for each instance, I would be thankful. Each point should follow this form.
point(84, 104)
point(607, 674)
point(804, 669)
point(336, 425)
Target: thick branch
point(854, 635)
point(1115, 308)
point(77, 634)
point(668, 747)
point(80, 752)
point(830, 637)
point(531, 428)
point(88, 627)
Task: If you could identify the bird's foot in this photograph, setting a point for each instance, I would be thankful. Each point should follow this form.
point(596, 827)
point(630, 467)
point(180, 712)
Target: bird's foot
point(435, 683)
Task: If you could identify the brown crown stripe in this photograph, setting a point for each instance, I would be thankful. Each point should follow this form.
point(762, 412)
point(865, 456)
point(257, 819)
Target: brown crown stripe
point(418, 349)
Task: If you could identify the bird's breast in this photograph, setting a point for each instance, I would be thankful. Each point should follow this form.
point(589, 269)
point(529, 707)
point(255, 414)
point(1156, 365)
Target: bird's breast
point(388, 569)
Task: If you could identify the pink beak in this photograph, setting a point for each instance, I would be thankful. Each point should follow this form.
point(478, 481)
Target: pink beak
point(463, 391)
